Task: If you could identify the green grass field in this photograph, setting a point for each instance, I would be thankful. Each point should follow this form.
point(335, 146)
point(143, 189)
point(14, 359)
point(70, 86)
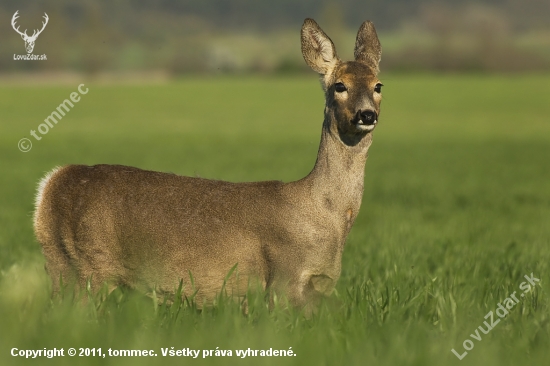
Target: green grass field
point(456, 211)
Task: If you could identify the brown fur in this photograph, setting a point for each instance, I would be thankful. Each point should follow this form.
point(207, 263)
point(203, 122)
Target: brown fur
point(148, 230)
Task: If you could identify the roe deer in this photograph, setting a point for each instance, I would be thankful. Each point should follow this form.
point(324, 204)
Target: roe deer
point(149, 230)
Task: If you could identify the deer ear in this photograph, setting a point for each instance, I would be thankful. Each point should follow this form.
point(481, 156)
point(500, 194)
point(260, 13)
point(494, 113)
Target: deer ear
point(367, 46)
point(317, 48)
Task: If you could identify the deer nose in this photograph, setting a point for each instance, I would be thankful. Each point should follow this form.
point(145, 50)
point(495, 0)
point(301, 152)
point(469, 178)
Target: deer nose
point(367, 117)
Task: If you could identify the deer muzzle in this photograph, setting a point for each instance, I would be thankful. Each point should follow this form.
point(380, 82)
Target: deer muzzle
point(365, 117)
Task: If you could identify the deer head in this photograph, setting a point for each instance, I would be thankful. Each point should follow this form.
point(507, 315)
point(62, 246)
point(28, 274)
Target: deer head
point(29, 40)
point(352, 88)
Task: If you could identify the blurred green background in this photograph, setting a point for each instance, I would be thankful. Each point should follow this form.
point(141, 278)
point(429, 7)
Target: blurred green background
point(456, 205)
point(172, 37)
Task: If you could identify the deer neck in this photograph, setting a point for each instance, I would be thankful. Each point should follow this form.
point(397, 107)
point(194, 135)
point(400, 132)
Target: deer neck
point(337, 178)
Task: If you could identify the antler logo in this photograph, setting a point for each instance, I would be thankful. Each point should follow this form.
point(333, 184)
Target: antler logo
point(29, 41)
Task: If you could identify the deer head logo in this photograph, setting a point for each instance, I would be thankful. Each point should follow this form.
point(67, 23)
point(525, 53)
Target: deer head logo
point(29, 40)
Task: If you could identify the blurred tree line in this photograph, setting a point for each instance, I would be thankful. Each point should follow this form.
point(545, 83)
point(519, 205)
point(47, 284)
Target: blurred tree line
point(185, 36)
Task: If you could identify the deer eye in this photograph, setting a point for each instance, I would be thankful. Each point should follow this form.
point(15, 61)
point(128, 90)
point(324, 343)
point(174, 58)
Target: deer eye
point(378, 87)
point(339, 87)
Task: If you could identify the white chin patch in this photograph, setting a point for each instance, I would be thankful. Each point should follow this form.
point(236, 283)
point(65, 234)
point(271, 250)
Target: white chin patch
point(362, 127)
